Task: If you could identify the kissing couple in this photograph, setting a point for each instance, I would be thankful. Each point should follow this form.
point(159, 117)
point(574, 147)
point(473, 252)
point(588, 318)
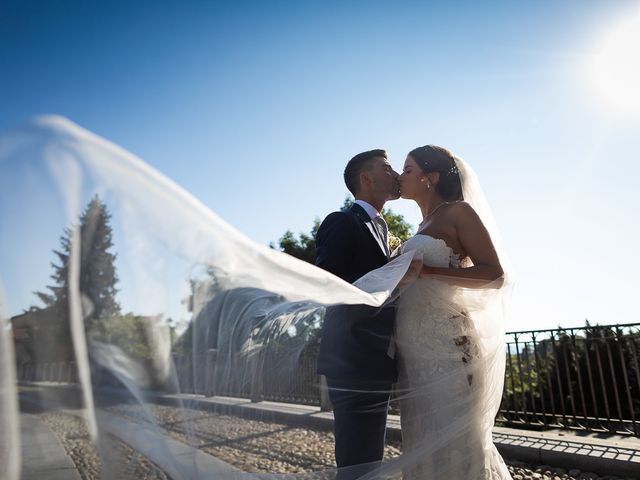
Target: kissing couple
point(439, 345)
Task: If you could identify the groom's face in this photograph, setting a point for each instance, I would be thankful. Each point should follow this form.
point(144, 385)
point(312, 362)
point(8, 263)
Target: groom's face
point(385, 179)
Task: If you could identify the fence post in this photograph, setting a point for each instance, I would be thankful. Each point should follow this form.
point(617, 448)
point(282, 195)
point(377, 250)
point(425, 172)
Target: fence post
point(257, 383)
point(73, 373)
point(325, 402)
point(176, 370)
point(210, 372)
point(199, 374)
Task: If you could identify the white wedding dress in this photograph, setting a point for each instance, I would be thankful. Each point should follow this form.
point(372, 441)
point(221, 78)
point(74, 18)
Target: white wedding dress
point(442, 389)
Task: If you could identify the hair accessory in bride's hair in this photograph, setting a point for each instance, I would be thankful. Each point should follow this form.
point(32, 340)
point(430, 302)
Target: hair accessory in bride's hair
point(454, 169)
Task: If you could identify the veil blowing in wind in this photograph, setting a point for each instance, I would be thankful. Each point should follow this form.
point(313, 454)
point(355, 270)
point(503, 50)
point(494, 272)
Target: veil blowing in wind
point(130, 253)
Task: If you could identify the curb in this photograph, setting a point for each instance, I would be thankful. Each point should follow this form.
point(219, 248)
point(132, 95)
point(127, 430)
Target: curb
point(42, 456)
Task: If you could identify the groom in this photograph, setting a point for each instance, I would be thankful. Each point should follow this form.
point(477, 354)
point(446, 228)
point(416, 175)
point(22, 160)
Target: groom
point(355, 345)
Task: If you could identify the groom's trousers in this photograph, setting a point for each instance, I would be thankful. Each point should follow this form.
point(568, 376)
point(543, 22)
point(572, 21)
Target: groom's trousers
point(360, 420)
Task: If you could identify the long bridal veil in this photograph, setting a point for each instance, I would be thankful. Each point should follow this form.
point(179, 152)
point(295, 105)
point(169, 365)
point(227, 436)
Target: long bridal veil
point(123, 299)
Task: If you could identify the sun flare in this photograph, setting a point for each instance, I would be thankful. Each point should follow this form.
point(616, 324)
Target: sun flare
point(616, 66)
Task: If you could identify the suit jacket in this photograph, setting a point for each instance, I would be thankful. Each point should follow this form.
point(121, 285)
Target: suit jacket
point(355, 338)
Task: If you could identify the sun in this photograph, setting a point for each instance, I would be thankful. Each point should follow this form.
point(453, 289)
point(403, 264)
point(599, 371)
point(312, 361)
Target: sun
point(616, 66)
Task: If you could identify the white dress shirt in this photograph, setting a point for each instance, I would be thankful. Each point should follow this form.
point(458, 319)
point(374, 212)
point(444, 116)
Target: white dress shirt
point(371, 211)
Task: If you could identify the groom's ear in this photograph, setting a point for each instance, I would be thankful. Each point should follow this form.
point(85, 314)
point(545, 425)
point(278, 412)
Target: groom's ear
point(365, 180)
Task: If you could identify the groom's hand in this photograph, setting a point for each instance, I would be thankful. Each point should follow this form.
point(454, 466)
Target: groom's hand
point(414, 270)
point(425, 270)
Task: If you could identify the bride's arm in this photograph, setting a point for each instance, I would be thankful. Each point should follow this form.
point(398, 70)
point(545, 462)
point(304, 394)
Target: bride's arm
point(486, 271)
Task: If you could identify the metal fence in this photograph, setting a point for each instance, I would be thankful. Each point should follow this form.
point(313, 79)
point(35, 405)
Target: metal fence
point(63, 372)
point(303, 387)
point(264, 374)
point(584, 378)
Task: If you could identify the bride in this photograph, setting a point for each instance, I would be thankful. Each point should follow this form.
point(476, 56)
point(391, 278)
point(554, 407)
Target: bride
point(448, 326)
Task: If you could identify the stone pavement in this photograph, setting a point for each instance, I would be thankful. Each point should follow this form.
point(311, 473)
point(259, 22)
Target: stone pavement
point(608, 455)
point(41, 453)
point(176, 459)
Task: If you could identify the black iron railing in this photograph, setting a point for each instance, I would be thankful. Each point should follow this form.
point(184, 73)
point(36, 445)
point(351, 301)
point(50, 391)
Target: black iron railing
point(584, 378)
point(580, 378)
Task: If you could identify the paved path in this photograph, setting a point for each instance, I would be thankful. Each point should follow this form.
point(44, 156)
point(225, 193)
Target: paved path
point(41, 453)
point(176, 459)
point(611, 455)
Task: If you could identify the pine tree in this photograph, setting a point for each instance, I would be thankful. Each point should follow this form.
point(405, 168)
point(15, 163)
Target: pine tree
point(98, 276)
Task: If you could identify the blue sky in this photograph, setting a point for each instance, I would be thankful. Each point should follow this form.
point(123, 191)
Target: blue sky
point(255, 107)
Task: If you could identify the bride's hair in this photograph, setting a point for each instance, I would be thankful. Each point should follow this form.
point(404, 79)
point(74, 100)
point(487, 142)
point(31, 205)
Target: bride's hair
point(432, 158)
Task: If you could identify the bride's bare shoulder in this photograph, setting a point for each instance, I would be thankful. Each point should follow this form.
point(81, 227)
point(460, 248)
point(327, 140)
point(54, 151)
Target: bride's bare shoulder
point(461, 208)
point(463, 212)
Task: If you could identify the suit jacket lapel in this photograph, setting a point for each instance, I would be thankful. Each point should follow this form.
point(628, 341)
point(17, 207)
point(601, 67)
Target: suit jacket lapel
point(364, 217)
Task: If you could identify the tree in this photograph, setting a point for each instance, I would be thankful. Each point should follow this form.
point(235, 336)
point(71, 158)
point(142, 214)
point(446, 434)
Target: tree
point(98, 276)
point(304, 245)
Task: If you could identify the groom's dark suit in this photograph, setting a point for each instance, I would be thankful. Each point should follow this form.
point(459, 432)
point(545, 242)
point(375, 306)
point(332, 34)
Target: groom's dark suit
point(355, 339)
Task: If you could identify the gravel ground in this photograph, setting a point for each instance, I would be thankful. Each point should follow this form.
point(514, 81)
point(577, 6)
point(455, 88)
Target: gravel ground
point(72, 433)
point(256, 446)
point(250, 445)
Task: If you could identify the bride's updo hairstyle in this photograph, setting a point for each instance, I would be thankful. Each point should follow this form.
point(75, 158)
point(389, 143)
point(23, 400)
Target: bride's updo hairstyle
point(432, 158)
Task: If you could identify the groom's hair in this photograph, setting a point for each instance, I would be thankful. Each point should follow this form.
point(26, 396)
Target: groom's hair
point(358, 164)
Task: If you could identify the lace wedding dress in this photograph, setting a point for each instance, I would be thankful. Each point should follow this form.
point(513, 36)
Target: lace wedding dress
point(445, 429)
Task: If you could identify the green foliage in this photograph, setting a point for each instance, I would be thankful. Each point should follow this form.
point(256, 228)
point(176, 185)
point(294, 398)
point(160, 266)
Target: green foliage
point(303, 246)
point(98, 276)
point(398, 226)
point(575, 375)
point(97, 285)
point(128, 332)
point(347, 204)
point(522, 378)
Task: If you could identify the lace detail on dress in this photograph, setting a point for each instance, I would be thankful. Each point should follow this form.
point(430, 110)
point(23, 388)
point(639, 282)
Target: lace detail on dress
point(438, 353)
point(435, 251)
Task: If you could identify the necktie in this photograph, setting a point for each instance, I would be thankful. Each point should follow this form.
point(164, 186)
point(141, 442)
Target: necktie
point(383, 228)
point(384, 231)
